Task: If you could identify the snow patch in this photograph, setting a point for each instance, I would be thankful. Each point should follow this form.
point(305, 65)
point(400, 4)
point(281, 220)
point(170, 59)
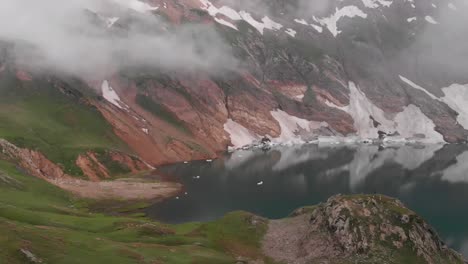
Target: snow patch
point(111, 21)
point(456, 97)
point(232, 14)
point(240, 136)
point(413, 121)
point(291, 125)
point(137, 5)
point(431, 20)
point(415, 86)
point(291, 32)
point(301, 21)
point(377, 3)
point(411, 124)
point(111, 96)
point(361, 109)
point(332, 21)
point(225, 23)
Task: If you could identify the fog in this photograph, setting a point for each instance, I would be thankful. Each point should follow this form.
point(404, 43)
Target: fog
point(296, 8)
point(69, 37)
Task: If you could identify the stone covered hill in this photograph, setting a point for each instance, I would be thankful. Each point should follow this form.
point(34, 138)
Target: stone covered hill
point(356, 229)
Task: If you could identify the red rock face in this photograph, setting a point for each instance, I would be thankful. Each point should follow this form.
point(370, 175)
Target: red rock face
point(91, 167)
point(158, 141)
point(22, 75)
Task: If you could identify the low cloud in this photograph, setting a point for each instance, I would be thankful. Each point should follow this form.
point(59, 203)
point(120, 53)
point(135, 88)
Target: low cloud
point(297, 8)
point(72, 37)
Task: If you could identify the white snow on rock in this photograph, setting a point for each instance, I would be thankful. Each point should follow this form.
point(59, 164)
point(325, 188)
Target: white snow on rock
point(301, 21)
point(232, 14)
point(111, 96)
point(290, 126)
point(456, 97)
point(225, 23)
point(331, 22)
point(452, 6)
point(136, 5)
point(411, 19)
point(415, 86)
point(413, 121)
point(431, 20)
point(145, 130)
point(291, 32)
point(260, 26)
point(224, 10)
point(408, 124)
point(361, 109)
point(377, 3)
point(111, 21)
point(240, 136)
point(318, 28)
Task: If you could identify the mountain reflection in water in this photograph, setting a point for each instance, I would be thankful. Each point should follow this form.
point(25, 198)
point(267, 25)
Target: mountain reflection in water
point(432, 180)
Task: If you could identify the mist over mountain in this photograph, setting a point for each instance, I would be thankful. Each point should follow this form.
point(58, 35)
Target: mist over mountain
point(185, 79)
point(76, 37)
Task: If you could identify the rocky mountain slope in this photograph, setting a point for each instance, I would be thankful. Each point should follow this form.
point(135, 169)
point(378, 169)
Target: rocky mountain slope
point(233, 73)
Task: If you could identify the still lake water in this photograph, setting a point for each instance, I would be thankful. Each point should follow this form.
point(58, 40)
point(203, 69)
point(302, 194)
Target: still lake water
point(432, 180)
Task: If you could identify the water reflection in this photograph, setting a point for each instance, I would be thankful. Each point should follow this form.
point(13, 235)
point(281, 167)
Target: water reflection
point(431, 179)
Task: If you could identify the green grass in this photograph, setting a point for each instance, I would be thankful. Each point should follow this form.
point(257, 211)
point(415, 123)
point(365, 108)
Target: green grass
point(61, 127)
point(115, 168)
point(239, 232)
point(58, 228)
point(161, 111)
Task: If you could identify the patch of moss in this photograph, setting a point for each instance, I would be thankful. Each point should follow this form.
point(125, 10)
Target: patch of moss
point(161, 111)
point(115, 168)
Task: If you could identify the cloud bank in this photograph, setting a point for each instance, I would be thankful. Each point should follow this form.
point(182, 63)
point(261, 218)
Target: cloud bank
point(73, 37)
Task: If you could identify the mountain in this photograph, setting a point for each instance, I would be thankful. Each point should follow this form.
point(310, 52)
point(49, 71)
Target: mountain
point(123, 86)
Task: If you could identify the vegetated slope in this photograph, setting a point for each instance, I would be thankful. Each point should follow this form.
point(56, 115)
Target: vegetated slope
point(53, 117)
point(42, 224)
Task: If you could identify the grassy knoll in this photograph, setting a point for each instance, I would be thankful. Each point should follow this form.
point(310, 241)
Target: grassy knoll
point(56, 228)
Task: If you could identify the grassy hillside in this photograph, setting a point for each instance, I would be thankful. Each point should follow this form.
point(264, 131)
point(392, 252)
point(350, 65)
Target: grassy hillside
point(39, 116)
point(43, 220)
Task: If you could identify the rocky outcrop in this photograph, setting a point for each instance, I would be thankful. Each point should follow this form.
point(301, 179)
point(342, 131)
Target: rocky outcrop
point(361, 228)
point(34, 162)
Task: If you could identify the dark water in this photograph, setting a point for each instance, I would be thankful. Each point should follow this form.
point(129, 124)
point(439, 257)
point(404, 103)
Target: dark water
point(431, 180)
